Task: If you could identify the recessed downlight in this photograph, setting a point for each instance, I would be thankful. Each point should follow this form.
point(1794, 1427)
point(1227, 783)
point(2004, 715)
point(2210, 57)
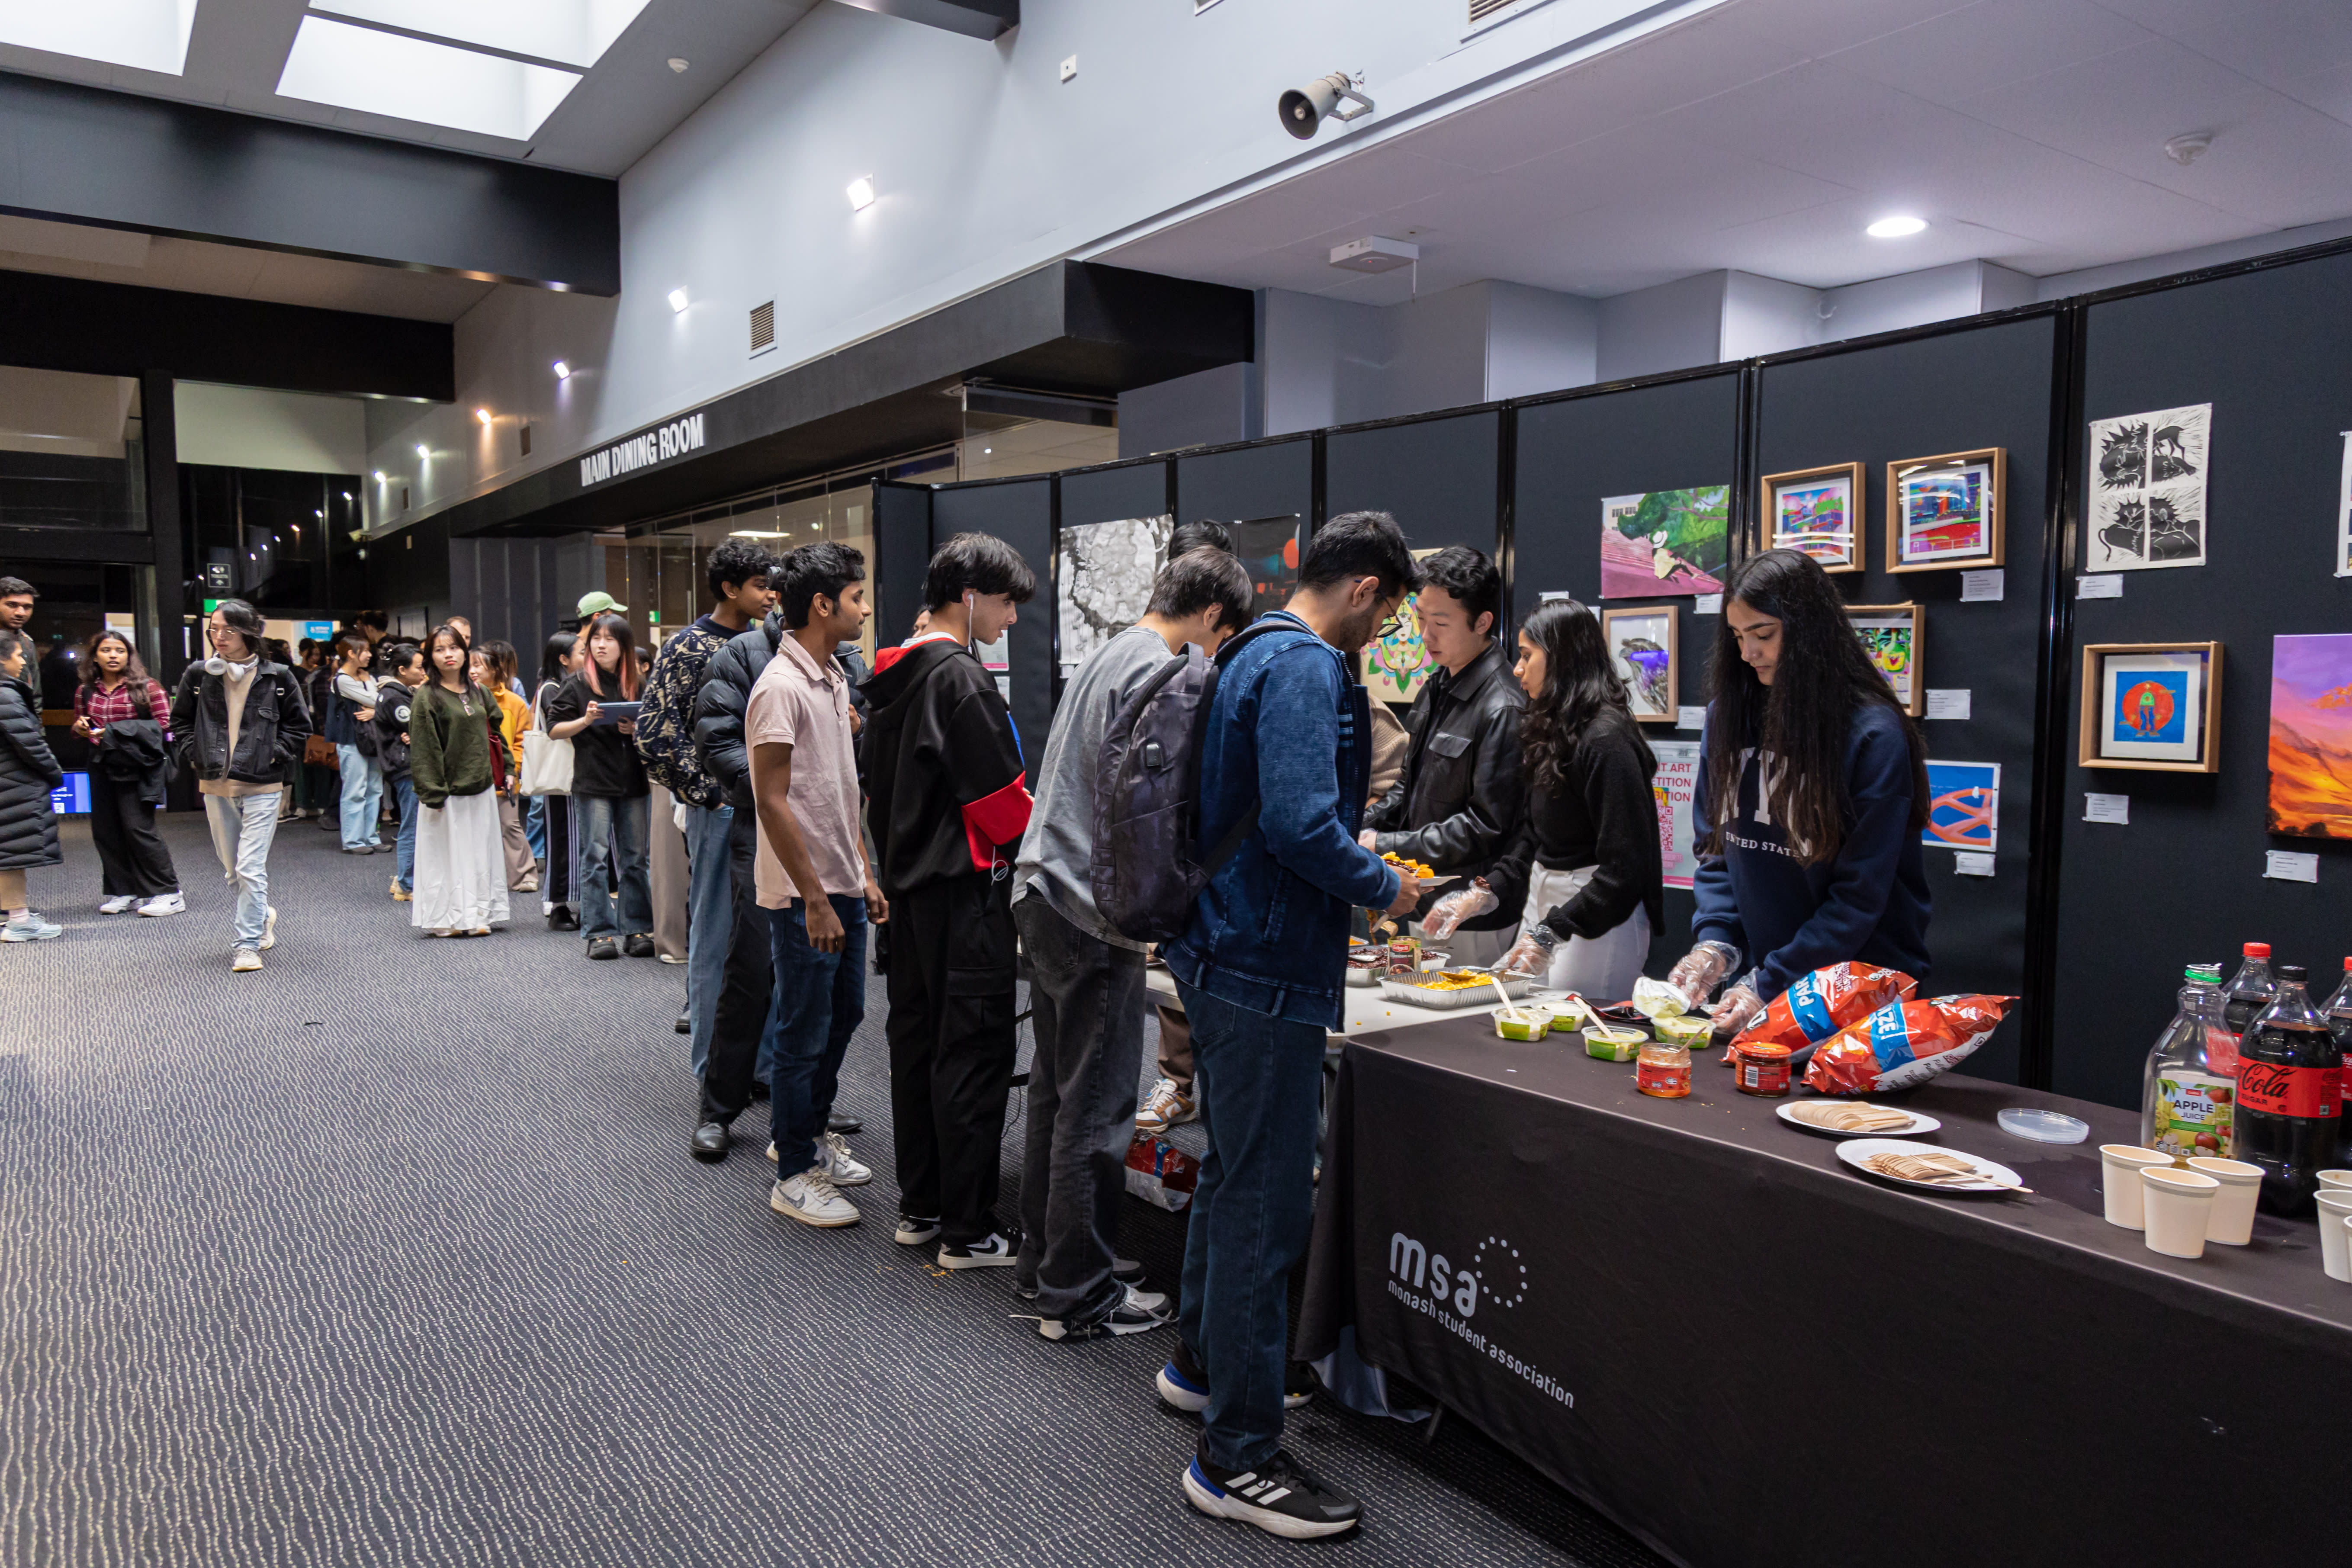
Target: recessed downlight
point(563, 370)
point(861, 193)
point(1895, 228)
point(677, 299)
point(483, 415)
point(423, 450)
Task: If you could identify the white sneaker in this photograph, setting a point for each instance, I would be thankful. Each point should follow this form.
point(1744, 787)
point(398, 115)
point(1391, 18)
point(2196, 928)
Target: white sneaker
point(31, 927)
point(269, 931)
point(1147, 1301)
point(117, 904)
point(992, 1251)
point(915, 1229)
point(245, 961)
point(846, 1169)
point(811, 1199)
point(169, 904)
point(1164, 1109)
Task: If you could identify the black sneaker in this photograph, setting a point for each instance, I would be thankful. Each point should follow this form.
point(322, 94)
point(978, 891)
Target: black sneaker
point(686, 1023)
point(561, 918)
point(1131, 1316)
point(848, 1126)
point(638, 946)
point(1298, 1384)
point(1181, 1382)
point(991, 1251)
point(916, 1229)
point(1278, 1496)
point(603, 947)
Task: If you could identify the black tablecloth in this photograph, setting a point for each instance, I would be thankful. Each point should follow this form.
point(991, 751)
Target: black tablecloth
point(1691, 1314)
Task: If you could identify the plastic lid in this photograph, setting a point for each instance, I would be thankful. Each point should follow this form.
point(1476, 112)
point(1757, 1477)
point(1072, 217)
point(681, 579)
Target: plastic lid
point(2258, 949)
point(2212, 972)
point(2294, 972)
point(2042, 1126)
point(1765, 1050)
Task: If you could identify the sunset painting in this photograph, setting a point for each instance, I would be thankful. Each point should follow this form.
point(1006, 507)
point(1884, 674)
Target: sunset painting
point(2311, 736)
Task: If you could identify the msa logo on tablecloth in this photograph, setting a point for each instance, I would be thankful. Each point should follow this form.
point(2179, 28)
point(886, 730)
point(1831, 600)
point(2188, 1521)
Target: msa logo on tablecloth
point(1495, 1276)
point(675, 439)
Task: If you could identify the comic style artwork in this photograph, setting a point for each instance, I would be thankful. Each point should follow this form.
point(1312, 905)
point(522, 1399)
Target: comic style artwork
point(2148, 489)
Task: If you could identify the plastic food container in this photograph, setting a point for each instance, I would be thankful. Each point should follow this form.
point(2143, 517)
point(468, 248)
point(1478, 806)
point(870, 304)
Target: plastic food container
point(1527, 1025)
point(2042, 1126)
point(1621, 1047)
point(1683, 1030)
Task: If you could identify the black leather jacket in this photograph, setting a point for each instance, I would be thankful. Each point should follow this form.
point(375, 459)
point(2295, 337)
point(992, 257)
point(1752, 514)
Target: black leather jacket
point(720, 703)
point(1459, 798)
point(269, 733)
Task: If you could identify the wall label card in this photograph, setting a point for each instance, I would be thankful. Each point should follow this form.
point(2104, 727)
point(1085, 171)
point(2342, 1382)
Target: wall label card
point(2148, 489)
point(1707, 604)
point(1981, 587)
point(2291, 866)
point(1973, 863)
point(1948, 703)
point(2106, 586)
point(1690, 718)
point(2114, 809)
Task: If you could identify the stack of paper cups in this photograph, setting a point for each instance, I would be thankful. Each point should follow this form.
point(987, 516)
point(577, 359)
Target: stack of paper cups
point(2231, 1223)
point(2119, 1168)
point(2178, 1204)
point(2335, 1208)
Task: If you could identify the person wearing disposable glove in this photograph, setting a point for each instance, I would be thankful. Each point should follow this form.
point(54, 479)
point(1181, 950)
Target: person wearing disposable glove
point(1584, 858)
point(1812, 793)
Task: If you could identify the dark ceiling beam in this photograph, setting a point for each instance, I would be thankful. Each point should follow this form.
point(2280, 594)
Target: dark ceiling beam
point(83, 155)
point(973, 18)
point(1073, 327)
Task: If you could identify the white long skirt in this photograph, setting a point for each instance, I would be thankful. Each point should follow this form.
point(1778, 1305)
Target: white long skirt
point(461, 875)
point(1602, 967)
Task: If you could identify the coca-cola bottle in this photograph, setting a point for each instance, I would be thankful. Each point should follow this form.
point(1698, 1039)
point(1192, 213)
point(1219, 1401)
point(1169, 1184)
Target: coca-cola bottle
point(2290, 1087)
point(2251, 989)
point(2339, 1024)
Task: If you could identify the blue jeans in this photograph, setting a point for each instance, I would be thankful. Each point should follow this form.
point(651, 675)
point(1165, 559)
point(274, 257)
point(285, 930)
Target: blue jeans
point(243, 829)
point(534, 825)
point(403, 864)
point(1259, 1082)
point(710, 919)
point(819, 1001)
point(363, 799)
point(623, 827)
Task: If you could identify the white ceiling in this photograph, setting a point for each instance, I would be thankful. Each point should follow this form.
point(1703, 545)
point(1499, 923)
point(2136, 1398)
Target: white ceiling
point(1764, 134)
point(627, 104)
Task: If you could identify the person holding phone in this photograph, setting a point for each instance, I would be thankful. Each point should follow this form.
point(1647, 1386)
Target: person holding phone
point(609, 787)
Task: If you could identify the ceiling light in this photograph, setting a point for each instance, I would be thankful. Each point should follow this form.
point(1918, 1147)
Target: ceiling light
point(423, 450)
point(144, 36)
point(1375, 253)
point(567, 32)
point(563, 370)
point(758, 533)
point(678, 64)
point(483, 415)
point(1895, 228)
point(379, 476)
point(861, 193)
point(677, 299)
point(416, 79)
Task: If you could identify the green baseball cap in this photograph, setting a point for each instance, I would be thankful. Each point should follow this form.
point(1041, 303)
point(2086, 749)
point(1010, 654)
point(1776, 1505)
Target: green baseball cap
point(596, 603)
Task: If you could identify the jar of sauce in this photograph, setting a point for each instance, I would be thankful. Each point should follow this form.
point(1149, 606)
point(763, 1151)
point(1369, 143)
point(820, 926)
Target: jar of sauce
point(1760, 1068)
point(1663, 1070)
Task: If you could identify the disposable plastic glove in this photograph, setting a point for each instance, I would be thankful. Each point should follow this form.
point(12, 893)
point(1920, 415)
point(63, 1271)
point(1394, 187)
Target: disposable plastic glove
point(1531, 954)
point(1696, 975)
point(1447, 915)
point(1740, 1007)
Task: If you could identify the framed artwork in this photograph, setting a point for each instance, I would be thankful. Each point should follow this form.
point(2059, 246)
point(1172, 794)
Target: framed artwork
point(1891, 636)
point(1397, 663)
point(1662, 542)
point(1815, 511)
point(1642, 649)
point(1102, 583)
point(2311, 736)
point(1269, 547)
point(1963, 806)
point(2148, 489)
point(1944, 512)
point(2151, 705)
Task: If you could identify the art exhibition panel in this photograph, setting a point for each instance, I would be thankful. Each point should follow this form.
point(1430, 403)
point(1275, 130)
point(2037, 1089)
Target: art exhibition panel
point(1927, 425)
point(1020, 512)
point(2208, 765)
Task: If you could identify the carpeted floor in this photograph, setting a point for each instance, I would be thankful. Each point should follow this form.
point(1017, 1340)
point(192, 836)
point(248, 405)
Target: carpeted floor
point(392, 1255)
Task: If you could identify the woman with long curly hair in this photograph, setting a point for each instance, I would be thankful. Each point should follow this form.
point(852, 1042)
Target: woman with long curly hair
point(1812, 789)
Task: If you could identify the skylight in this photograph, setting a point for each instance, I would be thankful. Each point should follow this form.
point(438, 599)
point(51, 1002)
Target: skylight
point(412, 78)
point(572, 32)
point(146, 35)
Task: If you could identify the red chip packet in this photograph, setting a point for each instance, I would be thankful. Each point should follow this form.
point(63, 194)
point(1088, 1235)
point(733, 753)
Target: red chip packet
point(1824, 1002)
point(1905, 1043)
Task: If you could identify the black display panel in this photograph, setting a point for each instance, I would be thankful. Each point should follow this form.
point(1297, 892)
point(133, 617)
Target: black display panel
point(2182, 882)
point(1990, 388)
point(1105, 495)
point(1273, 481)
point(902, 549)
point(1437, 476)
point(1021, 513)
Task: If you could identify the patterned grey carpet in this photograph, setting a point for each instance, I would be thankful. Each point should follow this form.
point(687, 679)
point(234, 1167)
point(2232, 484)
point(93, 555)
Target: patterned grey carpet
point(391, 1255)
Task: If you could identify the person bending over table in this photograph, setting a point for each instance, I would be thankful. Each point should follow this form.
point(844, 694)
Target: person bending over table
point(1812, 793)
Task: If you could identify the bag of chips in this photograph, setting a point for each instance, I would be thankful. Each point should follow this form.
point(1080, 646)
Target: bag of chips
point(1903, 1043)
point(1824, 1002)
point(1161, 1173)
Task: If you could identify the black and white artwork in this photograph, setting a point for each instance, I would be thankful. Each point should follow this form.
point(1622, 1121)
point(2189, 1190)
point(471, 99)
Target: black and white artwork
point(1103, 584)
point(2148, 489)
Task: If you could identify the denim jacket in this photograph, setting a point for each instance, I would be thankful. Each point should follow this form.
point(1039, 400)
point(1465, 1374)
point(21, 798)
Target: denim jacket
point(1290, 727)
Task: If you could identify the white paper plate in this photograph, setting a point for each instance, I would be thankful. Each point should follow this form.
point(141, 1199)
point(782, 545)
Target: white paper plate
point(1919, 1122)
point(1853, 1151)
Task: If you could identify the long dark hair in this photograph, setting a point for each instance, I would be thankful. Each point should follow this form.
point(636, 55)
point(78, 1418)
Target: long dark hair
point(552, 658)
point(625, 665)
point(1578, 688)
point(1822, 679)
point(135, 673)
point(464, 659)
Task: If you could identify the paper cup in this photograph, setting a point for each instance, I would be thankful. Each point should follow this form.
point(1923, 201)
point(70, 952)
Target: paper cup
point(2335, 1208)
point(2231, 1220)
point(2119, 1168)
point(2339, 1180)
point(2177, 1204)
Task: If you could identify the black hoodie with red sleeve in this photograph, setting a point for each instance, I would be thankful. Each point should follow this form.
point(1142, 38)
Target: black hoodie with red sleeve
point(943, 767)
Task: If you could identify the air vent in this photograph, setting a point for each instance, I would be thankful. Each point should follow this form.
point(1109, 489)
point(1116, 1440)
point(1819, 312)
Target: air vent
point(1482, 9)
point(522, 432)
point(764, 327)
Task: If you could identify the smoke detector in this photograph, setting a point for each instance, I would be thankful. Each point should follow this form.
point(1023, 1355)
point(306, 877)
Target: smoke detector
point(1375, 253)
point(2186, 150)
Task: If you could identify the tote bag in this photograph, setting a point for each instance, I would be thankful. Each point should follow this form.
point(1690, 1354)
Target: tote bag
point(546, 761)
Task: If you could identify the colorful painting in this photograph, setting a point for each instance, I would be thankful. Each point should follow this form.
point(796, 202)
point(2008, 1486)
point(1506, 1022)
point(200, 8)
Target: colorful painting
point(1665, 542)
point(2344, 511)
point(1890, 634)
point(1269, 547)
point(2148, 489)
point(1397, 665)
point(1642, 650)
point(2311, 736)
point(1963, 806)
point(1945, 513)
point(2152, 707)
point(1816, 510)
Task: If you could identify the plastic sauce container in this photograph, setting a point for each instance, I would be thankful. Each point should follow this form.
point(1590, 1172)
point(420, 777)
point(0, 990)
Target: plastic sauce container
point(1760, 1068)
point(1663, 1070)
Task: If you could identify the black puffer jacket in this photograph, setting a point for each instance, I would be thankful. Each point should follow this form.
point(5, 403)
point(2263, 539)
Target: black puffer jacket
point(396, 700)
point(270, 734)
point(28, 771)
point(720, 703)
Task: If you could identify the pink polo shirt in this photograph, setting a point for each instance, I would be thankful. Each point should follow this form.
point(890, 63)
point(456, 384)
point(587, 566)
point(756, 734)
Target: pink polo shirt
point(804, 703)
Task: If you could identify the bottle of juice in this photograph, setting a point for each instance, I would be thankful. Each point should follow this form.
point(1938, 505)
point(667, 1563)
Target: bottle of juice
point(2186, 1100)
point(2290, 1090)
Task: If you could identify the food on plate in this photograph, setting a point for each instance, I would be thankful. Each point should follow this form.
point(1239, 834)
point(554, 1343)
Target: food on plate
point(1903, 1043)
point(1426, 873)
point(1826, 1001)
point(1922, 1167)
point(1849, 1116)
point(1450, 980)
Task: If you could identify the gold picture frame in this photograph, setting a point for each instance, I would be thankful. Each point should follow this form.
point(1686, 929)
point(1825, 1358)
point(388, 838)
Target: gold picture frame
point(2134, 726)
point(1896, 652)
point(1829, 480)
point(1946, 514)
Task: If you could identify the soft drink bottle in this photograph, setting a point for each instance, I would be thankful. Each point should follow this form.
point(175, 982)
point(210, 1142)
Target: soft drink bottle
point(2339, 1024)
point(2290, 1087)
point(2187, 1098)
point(2251, 989)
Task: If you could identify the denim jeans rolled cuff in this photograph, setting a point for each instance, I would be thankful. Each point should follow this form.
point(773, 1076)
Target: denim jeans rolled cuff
point(710, 922)
point(1259, 1082)
point(362, 796)
point(242, 828)
point(820, 1000)
point(404, 860)
point(613, 835)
